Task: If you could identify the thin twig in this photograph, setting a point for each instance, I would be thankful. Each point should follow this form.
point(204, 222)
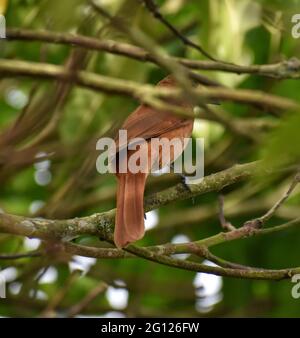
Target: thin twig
point(179, 72)
point(260, 221)
point(49, 311)
point(205, 253)
point(192, 266)
point(153, 8)
point(225, 225)
point(21, 255)
point(229, 123)
point(79, 307)
point(36, 281)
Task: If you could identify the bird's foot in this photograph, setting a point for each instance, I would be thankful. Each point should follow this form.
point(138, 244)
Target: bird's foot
point(186, 185)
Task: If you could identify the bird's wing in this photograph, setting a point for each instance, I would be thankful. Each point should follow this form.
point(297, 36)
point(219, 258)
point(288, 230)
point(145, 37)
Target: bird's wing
point(146, 122)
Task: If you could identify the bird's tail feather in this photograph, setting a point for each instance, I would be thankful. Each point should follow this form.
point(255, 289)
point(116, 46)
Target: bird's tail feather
point(129, 225)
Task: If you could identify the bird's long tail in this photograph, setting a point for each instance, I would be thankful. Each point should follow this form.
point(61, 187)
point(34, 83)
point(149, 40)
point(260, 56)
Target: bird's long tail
point(129, 225)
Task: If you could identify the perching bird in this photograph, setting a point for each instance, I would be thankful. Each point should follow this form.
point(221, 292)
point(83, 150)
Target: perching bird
point(147, 123)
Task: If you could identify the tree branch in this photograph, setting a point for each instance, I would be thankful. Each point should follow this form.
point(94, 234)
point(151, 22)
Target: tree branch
point(224, 223)
point(153, 8)
point(144, 93)
point(281, 70)
point(199, 248)
point(259, 222)
point(21, 255)
point(79, 307)
point(101, 224)
point(250, 273)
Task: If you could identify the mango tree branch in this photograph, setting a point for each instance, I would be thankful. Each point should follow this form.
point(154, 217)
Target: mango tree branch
point(145, 93)
point(199, 248)
point(249, 273)
point(159, 254)
point(240, 233)
point(281, 70)
point(101, 224)
point(286, 69)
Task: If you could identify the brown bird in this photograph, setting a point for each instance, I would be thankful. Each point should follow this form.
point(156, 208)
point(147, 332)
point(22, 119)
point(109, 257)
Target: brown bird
point(147, 123)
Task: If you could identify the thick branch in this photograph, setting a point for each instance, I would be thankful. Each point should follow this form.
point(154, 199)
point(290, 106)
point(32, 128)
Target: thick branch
point(102, 224)
point(281, 70)
point(145, 93)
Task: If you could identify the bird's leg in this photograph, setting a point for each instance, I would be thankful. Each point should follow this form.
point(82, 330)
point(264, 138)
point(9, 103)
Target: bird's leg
point(183, 181)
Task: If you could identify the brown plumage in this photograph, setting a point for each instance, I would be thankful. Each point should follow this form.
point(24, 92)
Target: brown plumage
point(147, 123)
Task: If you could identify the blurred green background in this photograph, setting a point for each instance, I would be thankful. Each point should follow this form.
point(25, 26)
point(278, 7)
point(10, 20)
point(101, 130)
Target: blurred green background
point(62, 122)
